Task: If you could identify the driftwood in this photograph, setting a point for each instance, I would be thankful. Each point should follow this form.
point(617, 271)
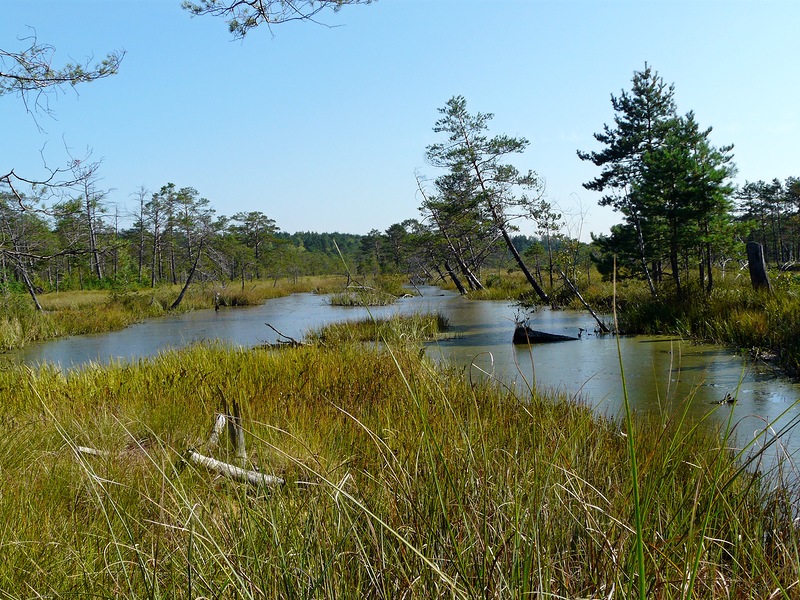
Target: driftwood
point(91, 451)
point(526, 335)
point(219, 425)
point(291, 340)
point(232, 471)
point(233, 419)
point(228, 470)
point(236, 433)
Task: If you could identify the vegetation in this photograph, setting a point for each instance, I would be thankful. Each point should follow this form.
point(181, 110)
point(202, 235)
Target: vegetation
point(242, 16)
point(80, 312)
point(402, 481)
point(398, 328)
point(671, 185)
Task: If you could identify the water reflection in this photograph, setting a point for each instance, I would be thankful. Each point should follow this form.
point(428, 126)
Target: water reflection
point(660, 371)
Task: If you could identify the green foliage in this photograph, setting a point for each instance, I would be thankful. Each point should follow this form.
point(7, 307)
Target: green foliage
point(770, 214)
point(671, 185)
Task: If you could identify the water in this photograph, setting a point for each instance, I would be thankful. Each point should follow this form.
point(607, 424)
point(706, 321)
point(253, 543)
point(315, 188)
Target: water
point(660, 372)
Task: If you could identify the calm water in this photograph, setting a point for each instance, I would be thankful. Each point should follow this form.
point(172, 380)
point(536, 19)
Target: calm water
point(659, 371)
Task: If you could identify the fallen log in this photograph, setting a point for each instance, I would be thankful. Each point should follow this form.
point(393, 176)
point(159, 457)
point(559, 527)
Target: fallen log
point(526, 335)
point(232, 471)
point(91, 451)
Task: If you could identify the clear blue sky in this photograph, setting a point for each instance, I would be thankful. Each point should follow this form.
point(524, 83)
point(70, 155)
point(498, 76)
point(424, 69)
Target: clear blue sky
point(323, 128)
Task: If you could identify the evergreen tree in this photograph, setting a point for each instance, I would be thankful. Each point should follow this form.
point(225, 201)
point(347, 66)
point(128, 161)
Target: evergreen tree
point(669, 182)
point(642, 122)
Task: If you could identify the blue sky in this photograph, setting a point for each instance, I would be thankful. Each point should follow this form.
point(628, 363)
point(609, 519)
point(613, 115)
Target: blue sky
point(323, 128)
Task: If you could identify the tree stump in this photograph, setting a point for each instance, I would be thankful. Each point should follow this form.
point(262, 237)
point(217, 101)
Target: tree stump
point(757, 266)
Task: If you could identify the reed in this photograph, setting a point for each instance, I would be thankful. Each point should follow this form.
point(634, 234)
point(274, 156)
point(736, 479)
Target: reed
point(403, 480)
point(398, 328)
point(80, 312)
point(377, 291)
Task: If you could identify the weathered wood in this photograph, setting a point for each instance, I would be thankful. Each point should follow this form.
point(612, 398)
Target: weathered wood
point(575, 291)
point(238, 436)
point(291, 341)
point(216, 431)
point(232, 471)
point(526, 335)
point(91, 451)
point(758, 268)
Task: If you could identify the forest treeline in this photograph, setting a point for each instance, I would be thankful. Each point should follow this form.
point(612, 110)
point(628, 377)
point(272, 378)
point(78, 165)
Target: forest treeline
point(683, 219)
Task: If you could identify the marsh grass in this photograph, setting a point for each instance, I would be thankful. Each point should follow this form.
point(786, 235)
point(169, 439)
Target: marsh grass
point(395, 329)
point(362, 297)
point(81, 312)
point(403, 481)
point(377, 291)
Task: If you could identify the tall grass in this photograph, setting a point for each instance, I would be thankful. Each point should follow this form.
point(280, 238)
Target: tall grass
point(403, 481)
point(377, 291)
point(764, 324)
point(81, 312)
point(398, 328)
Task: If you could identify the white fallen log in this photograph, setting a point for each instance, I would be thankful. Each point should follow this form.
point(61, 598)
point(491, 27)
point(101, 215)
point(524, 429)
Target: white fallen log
point(232, 471)
point(91, 451)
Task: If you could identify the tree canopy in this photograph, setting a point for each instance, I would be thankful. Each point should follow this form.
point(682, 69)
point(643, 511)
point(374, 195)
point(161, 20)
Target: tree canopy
point(672, 186)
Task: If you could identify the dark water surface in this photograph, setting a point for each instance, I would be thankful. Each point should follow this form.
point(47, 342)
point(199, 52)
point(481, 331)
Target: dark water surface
point(660, 372)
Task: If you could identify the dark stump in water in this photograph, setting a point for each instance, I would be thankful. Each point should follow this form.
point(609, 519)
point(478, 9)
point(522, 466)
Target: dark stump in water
point(526, 335)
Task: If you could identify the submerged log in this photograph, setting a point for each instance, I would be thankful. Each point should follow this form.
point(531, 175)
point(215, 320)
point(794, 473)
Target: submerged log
point(526, 335)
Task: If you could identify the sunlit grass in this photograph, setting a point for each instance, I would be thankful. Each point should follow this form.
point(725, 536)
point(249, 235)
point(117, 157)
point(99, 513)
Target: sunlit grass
point(403, 481)
point(81, 312)
point(377, 291)
point(398, 328)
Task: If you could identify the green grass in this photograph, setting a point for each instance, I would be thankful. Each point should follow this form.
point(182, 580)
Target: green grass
point(395, 329)
point(403, 481)
point(380, 291)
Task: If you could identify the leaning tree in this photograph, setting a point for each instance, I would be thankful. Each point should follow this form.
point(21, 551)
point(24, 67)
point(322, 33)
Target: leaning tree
point(477, 161)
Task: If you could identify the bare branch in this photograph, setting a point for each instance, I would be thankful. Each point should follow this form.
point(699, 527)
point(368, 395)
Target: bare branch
point(244, 15)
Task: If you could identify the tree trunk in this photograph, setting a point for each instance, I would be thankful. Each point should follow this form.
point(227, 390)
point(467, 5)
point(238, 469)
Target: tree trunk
point(575, 291)
point(536, 287)
point(757, 266)
point(643, 257)
point(179, 299)
point(461, 289)
point(29, 287)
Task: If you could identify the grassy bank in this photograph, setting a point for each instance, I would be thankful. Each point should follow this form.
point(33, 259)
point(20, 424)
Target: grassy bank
point(81, 312)
point(403, 481)
point(765, 325)
point(397, 329)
